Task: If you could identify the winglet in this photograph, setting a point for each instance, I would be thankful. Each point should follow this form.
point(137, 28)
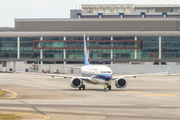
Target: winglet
point(169, 69)
point(14, 72)
point(85, 53)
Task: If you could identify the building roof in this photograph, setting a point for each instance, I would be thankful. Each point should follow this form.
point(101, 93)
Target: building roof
point(90, 33)
point(129, 8)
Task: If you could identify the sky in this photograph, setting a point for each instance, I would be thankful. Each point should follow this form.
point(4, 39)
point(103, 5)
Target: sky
point(12, 9)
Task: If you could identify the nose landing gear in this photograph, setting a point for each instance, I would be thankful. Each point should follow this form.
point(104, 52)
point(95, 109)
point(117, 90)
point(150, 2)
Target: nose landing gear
point(83, 87)
point(107, 86)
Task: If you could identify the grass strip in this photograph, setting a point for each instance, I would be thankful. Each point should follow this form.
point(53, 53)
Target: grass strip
point(8, 116)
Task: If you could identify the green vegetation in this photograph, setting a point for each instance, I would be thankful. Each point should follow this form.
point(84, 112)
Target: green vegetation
point(8, 116)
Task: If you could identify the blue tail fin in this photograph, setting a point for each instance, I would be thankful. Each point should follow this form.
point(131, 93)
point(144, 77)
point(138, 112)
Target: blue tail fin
point(85, 52)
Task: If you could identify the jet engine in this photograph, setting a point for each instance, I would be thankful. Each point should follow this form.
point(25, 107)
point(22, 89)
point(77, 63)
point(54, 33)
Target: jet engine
point(120, 83)
point(76, 82)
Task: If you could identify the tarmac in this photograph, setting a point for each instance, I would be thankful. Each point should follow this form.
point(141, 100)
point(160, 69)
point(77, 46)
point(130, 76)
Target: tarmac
point(155, 97)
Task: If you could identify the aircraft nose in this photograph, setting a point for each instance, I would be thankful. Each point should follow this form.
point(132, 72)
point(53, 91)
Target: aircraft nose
point(109, 77)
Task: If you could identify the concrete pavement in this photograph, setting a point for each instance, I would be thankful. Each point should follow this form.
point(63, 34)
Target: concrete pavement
point(145, 98)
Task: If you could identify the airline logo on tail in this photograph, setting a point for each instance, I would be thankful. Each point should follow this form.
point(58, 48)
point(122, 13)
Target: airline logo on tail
point(85, 53)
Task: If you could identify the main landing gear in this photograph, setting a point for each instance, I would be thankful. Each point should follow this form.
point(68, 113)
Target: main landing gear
point(83, 87)
point(109, 86)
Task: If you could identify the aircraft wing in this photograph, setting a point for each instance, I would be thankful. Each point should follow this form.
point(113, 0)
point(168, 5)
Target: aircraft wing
point(68, 66)
point(127, 76)
point(65, 76)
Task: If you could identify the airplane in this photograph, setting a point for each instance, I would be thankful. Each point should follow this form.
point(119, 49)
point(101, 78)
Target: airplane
point(98, 74)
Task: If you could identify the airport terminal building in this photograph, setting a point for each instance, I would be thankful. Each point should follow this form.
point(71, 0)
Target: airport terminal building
point(115, 34)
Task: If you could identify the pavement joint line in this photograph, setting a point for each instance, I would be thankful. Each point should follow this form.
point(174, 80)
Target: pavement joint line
point(21, 113)
point(15, 94)
point(34, 108)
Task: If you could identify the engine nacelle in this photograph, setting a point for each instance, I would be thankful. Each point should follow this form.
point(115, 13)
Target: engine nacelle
point(76, 82)
point(120, 83)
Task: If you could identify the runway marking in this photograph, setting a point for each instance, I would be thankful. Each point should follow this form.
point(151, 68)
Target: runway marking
point(137, 96)
point(21, 113)
point(1, 93)
point(15, 94)
point(164, 95)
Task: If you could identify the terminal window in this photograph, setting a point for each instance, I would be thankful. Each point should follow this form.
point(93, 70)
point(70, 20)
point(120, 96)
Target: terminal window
point(4, 64)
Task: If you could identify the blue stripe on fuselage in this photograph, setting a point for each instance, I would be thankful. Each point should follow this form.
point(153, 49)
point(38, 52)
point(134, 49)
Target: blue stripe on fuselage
point(105, 77)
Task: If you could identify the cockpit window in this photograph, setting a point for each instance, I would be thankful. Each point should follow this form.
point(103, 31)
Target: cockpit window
point(105, 71)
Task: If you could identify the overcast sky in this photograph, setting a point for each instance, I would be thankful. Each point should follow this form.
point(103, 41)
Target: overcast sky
point(11, 9)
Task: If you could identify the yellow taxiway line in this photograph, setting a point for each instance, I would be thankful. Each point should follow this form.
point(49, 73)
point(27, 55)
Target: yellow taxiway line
point(1, 93)
point(15, 94)
point(21, 113)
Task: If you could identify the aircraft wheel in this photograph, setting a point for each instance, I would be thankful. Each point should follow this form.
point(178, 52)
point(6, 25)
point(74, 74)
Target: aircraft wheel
point(83, 87)
point(79, 88)
point(109, 87)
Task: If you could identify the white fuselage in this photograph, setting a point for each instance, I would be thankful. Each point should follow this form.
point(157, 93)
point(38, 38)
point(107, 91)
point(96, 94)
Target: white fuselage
point(97, 74)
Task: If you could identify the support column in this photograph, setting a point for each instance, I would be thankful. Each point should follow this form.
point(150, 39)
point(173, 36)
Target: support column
point(135, 52)
point(41, 66)
point(18, 48)
point(64, 53)
point(159, 47)
point(14, 66)
point(41, 51)
point(111, 52)
point(41, 57)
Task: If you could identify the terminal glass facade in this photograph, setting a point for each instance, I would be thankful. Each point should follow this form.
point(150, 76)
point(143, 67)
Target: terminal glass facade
point(74, 53)
point(52, 38)
point(99, 54)
point(92, 44)
point(124, 53)
point(99, 38)
point(53, 54)
point(99, 48)
point(123, 38)
point(170, 47)
point(150, 48)
point(75, 38)
point(8, 47)
point(26, 48)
